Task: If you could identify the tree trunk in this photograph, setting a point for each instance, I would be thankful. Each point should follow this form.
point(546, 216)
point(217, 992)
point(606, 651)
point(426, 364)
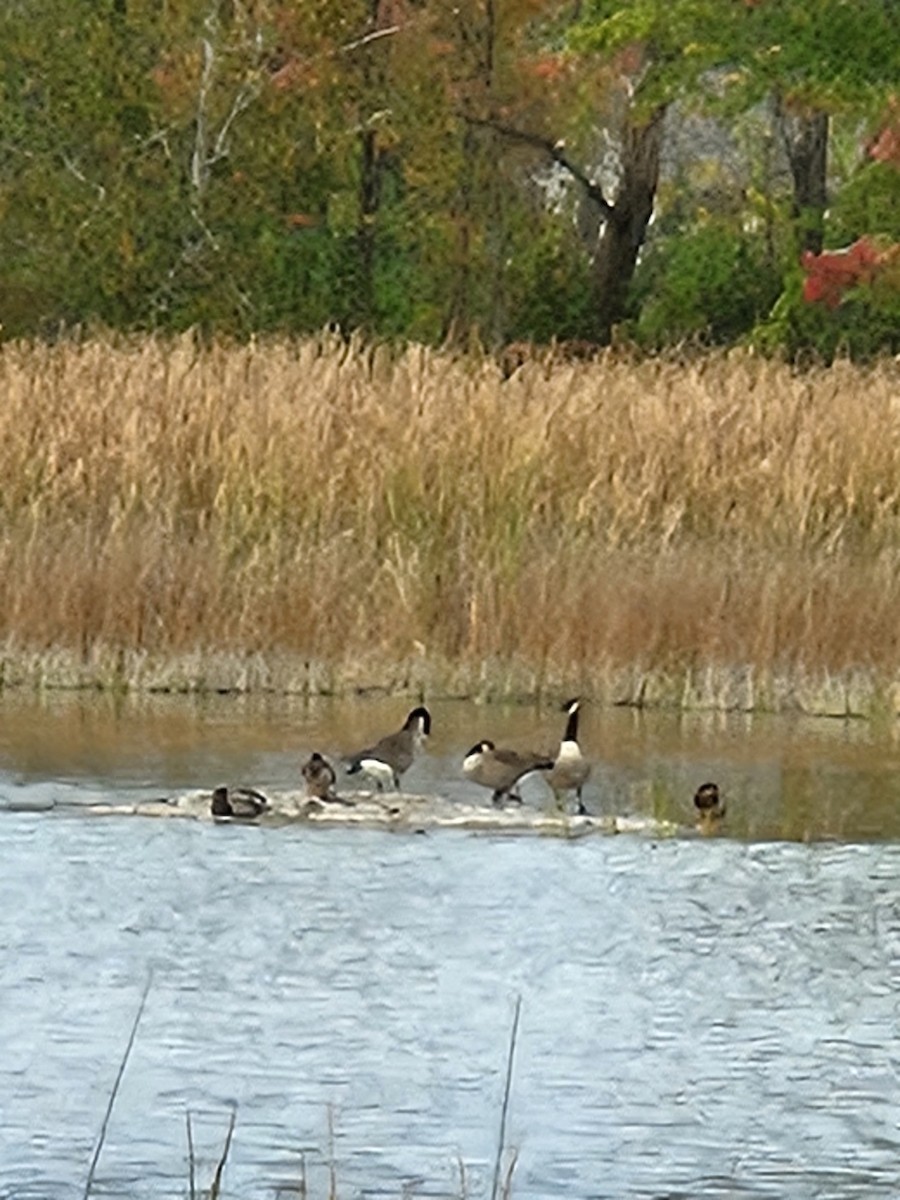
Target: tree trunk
point(458, 314)
point(624, 223)
point(805, 138)
point(369, 197)
point(460, 320)
point(370, 171)
point(625, 229)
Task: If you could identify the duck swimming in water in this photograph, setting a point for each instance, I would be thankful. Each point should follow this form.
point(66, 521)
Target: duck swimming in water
point(709, 805)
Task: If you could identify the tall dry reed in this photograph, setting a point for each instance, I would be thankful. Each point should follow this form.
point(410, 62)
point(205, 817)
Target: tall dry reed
point(411, 517)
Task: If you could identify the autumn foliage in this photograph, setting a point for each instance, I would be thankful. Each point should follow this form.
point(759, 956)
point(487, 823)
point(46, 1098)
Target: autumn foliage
point(832, 273)
point(533, 171)
point(885, 145)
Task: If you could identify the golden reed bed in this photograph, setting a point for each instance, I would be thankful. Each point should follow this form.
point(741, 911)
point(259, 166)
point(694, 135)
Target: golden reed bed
point(319, 516)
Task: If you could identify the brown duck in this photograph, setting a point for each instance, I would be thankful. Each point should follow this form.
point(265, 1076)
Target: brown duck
point(709, 805)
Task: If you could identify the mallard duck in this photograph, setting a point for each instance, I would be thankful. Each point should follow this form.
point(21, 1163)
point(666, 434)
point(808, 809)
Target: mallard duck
point(241, 803)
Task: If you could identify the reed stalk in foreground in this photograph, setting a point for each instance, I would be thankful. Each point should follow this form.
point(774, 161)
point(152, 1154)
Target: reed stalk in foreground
point(316, 515)
point(215, 1188)
point(192, 1159)
point(89, 1182)
point(301, 1189)
point(496, 1192)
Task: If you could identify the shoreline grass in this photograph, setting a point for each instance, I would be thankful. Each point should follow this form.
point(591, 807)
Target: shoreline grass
point(326, 517)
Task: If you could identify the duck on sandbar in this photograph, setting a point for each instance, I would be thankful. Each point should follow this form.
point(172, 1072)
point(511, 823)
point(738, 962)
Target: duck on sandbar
point(320, 779)
point(244, 804)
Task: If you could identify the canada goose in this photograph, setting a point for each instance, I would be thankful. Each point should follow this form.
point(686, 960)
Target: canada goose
point(320, 777)
point(571, 769)
point(387, 760)
point(709, 804)
point(243, 803)
point(500, 770)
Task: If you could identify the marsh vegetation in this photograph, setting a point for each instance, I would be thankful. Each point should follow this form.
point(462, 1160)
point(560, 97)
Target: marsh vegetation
point(320, 516)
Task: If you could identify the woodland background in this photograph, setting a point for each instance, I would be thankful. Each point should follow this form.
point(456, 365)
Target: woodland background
point(502, 170)
point(490, 348)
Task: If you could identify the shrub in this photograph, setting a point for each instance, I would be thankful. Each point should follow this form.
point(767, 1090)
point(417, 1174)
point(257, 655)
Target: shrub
point(713, 282)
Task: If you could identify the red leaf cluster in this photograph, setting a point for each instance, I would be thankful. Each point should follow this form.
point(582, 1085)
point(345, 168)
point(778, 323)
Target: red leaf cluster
point(833, 272)
point(884, 146)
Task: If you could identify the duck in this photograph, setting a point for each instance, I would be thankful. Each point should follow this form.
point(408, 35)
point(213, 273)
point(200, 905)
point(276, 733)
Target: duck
point(390, 757)
point(570, 769)
point(320, 778)
point(243, 803)
point(709, 804)
point(501, 770)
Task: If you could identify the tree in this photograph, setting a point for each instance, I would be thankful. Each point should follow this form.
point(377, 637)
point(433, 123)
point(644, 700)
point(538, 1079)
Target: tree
point(77, 138)
point(562, 124)
point(812, 60)
point(412, 167)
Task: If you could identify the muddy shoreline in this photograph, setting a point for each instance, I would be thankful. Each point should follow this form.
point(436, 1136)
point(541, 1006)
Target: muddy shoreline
point(394, 811)
point(856, 692)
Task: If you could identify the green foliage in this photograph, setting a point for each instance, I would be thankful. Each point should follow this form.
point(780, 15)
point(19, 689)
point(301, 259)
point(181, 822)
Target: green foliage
point(72, 164)
point(548, 281)
point(826, 54)
point(865, 325)
point(713, 283)
point(866, 322)
point(202, 165)
point(869, 203)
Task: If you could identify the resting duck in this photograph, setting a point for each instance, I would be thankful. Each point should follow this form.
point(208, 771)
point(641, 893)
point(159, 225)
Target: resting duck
point(320, 778)
point(242, 803)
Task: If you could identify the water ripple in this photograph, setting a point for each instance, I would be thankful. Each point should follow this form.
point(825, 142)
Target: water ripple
point(699, 1018)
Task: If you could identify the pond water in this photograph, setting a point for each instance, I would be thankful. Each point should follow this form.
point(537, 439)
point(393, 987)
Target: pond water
point(700, 1017)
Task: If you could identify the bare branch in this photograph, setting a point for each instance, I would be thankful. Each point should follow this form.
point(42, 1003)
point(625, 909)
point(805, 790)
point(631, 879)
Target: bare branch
point(98, 188)
point(366, 38)
point(199, 161)
point(75, 170)
point(209, 147)
point(555, 152)
point(242, 101)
